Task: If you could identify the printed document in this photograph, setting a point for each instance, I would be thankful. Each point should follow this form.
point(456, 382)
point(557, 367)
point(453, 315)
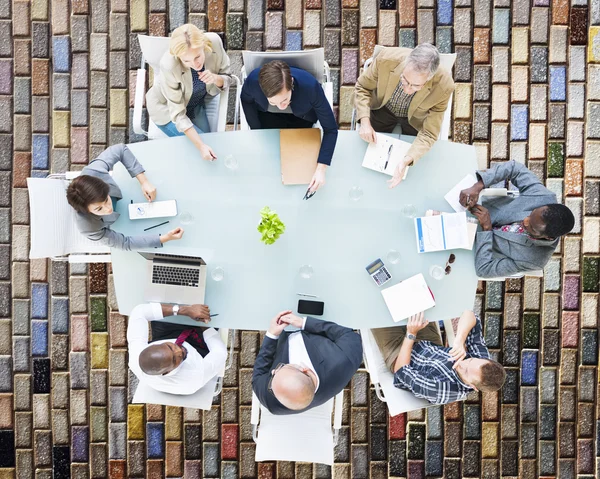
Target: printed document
point(387, 150)
point(453, 195)
point(442, 232)
point(408, 297)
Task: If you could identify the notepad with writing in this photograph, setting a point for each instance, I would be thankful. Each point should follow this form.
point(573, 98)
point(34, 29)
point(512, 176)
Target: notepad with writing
point(408, 297)
point(378, 154)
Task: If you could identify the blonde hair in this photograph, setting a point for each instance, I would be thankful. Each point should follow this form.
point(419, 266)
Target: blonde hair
point(188, 36)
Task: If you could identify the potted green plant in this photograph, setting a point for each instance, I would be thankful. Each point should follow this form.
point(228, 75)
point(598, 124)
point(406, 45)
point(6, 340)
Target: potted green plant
point(270, 227)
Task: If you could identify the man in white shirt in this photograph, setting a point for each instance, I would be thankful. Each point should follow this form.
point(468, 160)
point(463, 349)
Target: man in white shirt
point(178, 360)
point(298, 370)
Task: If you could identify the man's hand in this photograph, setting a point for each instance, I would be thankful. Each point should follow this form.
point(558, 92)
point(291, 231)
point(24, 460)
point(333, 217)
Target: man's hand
point(318, 178)
point(277, 325)
point(293, 320)
point(149, 190)
point(366, 131)
point(416, 322)
point(457, 353)
point(198, 312)
point(469, 197)
point(483, 215)
point(207, 153)
point(175, 234)
point(399, 172)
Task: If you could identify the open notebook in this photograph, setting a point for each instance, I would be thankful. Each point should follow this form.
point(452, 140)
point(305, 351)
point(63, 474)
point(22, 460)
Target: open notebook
point(408, 297)
point(442, 232)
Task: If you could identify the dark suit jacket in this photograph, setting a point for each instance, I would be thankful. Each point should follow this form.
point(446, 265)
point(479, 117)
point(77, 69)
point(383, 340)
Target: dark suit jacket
point(335, 352)
point(308, 102)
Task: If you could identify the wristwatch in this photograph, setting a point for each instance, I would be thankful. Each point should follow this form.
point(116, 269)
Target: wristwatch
point(175, 309)
point(411, 336)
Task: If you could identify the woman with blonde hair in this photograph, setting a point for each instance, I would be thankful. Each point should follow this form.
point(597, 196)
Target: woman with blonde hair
point(196, 66)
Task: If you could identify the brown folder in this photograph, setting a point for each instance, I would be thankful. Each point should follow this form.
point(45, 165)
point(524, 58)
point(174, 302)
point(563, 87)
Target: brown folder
point(299, 151)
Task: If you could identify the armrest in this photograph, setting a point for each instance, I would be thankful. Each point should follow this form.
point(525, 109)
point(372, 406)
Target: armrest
point(368, 357)
point(138, 105)
point(255, 416)
point(338, 407)
point(238, 95)
point(89, 258)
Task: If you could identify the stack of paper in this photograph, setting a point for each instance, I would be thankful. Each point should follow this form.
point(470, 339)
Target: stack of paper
point(409, 297)
point(385, 155)
point(442, 232)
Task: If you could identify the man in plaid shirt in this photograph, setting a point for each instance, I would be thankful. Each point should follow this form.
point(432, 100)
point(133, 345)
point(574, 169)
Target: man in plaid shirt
point(438, 374)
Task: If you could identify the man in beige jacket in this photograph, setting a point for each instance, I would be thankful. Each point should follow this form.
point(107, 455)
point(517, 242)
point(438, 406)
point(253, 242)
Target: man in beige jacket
point(404, 86)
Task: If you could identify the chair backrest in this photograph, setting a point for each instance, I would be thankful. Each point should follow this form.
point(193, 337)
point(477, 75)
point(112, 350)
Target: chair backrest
point(53, 228)
point(153, 48)
point(310, 60)
point(446, 59)
point(310, 433)
point(398, 400)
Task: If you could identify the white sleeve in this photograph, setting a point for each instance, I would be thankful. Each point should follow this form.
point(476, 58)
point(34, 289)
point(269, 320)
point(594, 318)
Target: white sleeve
point(214, 361)
point(137, 332)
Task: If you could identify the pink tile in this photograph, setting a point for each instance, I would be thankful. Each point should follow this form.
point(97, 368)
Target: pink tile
point(570, 329)
point(80, 332)
point(79, 145)
point(571, 292)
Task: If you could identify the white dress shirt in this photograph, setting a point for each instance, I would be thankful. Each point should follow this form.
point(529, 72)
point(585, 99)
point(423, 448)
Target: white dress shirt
point(297, 351)
point(193, 373)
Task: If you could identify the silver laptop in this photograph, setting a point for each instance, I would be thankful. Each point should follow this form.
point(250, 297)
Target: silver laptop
point(173, 278)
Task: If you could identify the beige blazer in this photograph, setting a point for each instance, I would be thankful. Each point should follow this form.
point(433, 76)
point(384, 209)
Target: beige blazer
point(377, 83)
point(168, 100)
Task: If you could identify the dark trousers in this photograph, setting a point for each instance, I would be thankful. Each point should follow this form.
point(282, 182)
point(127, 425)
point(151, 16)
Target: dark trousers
point(165, 330)
point(384, 121)
point(271, 121)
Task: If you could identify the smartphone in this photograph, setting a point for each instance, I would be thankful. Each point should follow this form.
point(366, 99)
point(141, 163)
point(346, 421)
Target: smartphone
point(313, 308)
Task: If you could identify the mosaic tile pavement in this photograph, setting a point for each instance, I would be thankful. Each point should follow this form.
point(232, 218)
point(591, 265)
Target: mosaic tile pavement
point(528, 88)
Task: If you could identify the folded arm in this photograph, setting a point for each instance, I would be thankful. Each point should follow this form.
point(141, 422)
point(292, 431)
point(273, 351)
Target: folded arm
point(516, 173)
point(106, 161)
point(494, 265)
point(262, 368)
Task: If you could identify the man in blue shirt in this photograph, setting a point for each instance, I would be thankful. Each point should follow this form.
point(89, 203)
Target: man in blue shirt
point(435, 373)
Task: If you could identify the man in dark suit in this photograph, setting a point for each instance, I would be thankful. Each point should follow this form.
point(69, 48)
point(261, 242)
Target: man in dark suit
point(299, 370)
point(277, 96)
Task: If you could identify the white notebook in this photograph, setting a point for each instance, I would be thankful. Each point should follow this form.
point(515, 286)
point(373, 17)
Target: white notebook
point(408, 297)
point(378, 154)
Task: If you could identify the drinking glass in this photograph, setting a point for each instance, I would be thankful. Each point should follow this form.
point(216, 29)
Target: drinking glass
point(186, 218)
point(393, 256)
point(436, 272)
point(231, 162)
point(218, 273)
point(306, 271)
point(409, 210)
point(356, 193)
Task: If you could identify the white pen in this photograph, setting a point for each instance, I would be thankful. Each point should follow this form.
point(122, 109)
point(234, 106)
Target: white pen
point(307, 295)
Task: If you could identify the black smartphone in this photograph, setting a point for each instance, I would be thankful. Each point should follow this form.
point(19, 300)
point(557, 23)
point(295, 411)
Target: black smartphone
point(313, 308)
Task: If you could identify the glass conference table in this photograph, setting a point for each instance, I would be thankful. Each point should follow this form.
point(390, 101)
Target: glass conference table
point(334, 233)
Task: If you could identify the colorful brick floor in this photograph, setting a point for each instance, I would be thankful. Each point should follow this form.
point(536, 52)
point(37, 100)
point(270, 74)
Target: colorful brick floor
point(528, 88)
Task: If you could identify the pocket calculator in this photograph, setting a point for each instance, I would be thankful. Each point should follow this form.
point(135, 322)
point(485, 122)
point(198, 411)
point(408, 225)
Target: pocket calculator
point(378, 272)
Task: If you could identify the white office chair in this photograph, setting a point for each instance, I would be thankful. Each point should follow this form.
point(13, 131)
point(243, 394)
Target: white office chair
point(153, 48)
point(306, 437)
point(54, 232)
point(398, 400)
point(446, 61)
point(201, 399)
point(312, 61)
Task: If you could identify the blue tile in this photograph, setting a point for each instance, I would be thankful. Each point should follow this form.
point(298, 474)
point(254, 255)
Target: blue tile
point(79, 443)
point(519, 122)
point(155, 439)
point(558, 83)
point(444, 12)
point(40, 149)
point(39, 300)
point(60, 315)
point(501, 26)
point(407, 38)
point(61, 54)
point(529, 362)
point(39, 173)
point(39, 338)
point(434, 457)
point(293, 41)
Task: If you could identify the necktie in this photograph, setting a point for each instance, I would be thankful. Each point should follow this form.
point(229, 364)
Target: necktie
point(189, 333)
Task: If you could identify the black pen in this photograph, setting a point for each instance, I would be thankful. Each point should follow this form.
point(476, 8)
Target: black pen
point(213, 315)
point(388, 157)
point(156, 226)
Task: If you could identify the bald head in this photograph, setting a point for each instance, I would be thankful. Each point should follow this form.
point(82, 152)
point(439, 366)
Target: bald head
point(293, 388)
point(161, 358)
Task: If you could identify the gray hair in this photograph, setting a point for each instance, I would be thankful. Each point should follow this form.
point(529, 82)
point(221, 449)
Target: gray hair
point(425, 58)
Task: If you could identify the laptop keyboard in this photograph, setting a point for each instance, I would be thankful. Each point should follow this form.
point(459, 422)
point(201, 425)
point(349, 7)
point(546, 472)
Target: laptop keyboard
point(175, 276)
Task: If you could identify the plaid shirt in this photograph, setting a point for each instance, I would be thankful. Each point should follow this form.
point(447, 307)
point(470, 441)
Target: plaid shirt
point(429, 375)
point(399, 102)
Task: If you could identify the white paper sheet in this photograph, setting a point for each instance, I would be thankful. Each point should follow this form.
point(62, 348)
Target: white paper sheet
point(442, 232)
point(452, 196)
point(408, 297)
point(377, 154)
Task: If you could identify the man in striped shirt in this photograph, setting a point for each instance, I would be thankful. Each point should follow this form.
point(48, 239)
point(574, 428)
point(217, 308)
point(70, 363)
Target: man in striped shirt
point(438, 374)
